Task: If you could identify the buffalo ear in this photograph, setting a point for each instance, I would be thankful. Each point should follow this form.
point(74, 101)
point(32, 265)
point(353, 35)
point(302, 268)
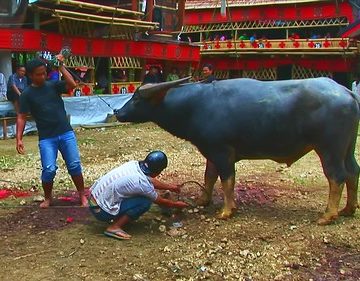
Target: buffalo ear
point(159, 89)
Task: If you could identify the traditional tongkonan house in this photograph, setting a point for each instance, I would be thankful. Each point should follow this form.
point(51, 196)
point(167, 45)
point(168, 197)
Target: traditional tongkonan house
point(272, 40)
point(112, 42)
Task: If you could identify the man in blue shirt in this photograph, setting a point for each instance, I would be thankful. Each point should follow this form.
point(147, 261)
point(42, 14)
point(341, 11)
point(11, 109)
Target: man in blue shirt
point(43, 100)
point(16, 85)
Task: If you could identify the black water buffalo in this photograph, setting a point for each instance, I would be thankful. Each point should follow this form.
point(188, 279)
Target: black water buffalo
point(248, 119)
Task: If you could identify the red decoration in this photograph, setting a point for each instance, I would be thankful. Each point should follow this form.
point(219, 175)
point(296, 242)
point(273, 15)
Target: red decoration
point(115, 89)
point(86, 90)
point(268, 44)
point(281, 13)
point(28, 40)
point(296, 44)
point(131, 88)
point(255, 45)
point(343, 44)
point(326, 44)
point(229, 44)
point(311, 44)
point(242, 44)
point(206, 46)
point(282, 45)
point(217, 45)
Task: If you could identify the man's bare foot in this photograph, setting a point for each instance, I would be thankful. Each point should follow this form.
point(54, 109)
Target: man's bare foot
point(45, 204)
point(84, 201)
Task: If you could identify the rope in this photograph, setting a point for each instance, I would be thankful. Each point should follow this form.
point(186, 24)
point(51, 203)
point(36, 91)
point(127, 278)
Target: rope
point(195, 182)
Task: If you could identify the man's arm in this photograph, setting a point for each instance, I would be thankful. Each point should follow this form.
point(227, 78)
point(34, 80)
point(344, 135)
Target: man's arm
point(20, 125)
point(70, 82)
point(169, 203)
point(13, 85)
point(164, 186)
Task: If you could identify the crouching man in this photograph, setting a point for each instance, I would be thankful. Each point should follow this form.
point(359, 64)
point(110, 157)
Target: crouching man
point(126, 192)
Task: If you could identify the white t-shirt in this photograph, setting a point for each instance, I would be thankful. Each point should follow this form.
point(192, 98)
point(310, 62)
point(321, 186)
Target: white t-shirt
point(355, 87)
point(2, 87)
point(125, 181)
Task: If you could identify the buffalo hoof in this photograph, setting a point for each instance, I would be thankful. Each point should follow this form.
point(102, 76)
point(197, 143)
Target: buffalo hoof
point(203, 201)
point(226, 214)
point(347, 212)
point(327, 219)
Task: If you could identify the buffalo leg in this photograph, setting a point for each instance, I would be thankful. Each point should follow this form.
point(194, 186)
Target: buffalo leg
point(226, 168)
point(211, 176)
point(335, 171)
point(331, 212)
point(352, 181)
point(229, 200)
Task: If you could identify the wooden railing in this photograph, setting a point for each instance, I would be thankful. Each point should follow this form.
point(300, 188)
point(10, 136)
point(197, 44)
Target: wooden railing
point(124, 87)
point(280, 45)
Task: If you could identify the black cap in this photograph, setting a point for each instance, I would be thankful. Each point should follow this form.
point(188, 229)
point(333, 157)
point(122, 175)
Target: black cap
point(154, 163)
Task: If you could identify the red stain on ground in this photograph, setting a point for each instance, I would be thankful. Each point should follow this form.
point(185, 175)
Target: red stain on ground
point(5, 193)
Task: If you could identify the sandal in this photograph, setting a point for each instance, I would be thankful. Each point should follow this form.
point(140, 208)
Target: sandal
point(117, 234)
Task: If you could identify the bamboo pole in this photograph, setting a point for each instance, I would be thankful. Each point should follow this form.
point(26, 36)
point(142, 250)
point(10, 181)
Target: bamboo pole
point(106, 19)
point(192, 6)
point(95, 7)
point(98, 21)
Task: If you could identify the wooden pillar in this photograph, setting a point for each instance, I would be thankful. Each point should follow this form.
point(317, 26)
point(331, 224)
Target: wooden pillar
point(149, 10)
point(181, 12)
point(134, 5)
point(36, 19)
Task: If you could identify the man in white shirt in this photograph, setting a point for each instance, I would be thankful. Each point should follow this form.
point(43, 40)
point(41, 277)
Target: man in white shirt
point(355, 87)
point(126, 192)
point(2, 87)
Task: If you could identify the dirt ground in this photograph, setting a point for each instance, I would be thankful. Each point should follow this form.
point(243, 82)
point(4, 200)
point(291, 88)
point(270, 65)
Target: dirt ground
point(273, 236)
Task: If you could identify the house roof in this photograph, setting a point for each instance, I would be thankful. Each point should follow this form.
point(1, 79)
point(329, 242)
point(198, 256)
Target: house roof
point(206, 4)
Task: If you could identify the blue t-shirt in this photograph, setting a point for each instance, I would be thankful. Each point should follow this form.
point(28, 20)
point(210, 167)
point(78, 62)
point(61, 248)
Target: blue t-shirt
point(20, 83)
point(47, 107)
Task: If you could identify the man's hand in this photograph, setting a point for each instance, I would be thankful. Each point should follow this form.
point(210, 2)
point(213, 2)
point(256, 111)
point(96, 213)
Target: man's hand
point(20, 147)
point(175, 188)
point(180, 204)
point(60, 58)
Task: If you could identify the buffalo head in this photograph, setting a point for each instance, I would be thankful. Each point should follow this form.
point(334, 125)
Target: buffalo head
point(144, 102)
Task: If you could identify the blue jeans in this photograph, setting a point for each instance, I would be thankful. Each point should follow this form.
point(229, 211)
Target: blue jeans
point(67, 145)
point(133, 207)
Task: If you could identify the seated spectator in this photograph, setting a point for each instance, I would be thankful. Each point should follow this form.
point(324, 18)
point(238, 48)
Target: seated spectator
point(54, 74)
point(253, 38)
point(153, 76)
point(244, 37)
point(314, 36)
point(173, 75)
point(294, 36)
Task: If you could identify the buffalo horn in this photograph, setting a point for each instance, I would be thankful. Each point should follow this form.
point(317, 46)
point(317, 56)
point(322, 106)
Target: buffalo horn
point(149, 90)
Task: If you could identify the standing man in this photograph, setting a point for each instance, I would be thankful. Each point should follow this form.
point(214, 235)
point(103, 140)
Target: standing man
point(16, 85)
point(43, 100)
point(2, 87)
point(126, 192)
point(355, 86)
point(153, 76)
point(208, 75)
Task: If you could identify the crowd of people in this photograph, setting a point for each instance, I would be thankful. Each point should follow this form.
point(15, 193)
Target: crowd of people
point(253, 36)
